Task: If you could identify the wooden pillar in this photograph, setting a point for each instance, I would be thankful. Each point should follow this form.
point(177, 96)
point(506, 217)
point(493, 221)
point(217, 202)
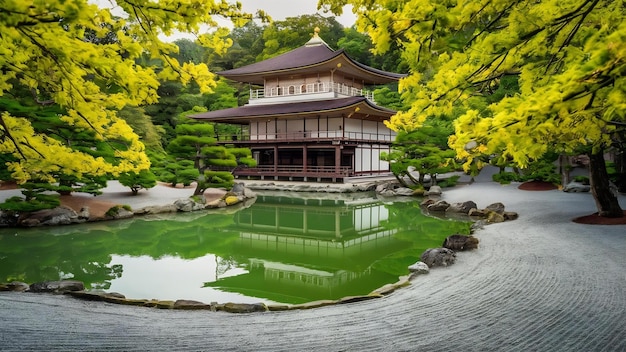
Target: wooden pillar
point(337, 159)
point(371, 158)
point(275, 158)
point(304, 158)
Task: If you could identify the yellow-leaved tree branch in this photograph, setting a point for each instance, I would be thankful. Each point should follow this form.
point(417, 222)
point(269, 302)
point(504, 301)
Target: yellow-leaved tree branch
point(568, 57)
point(80, 56)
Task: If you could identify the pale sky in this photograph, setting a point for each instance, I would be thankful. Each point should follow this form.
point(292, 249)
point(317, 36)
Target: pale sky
point(280, 9)
point(277, 9)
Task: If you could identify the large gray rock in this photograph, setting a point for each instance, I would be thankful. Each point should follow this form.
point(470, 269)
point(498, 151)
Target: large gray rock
point(434, 191)
point(438, 257)
point(121, 213)
point(382, 187)
point(494, 218)
point(48, 217)
point(462, 207)
point(15, 286)
point(190, 304)
point(57, 286)
point(576, 187)
point(238, 188)
point(365, 187)
point(428, 201)
point(479, 213)
point(156, 209)
point(419, 268)
point(8, 218)
point(459, 242)
point(439, 206)
point(244, 307)
point(497, 207)
point(510, 215)
point(403, 191)
point(187, 205)
point(248, 193)
point(392, 189)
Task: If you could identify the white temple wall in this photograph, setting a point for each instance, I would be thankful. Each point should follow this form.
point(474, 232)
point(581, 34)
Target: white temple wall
point(323, 127)
point(298, 83)
point(301, 84)
point(348, 81)
point(295, 125)
point(335, 123)
point(352, 125)
point(368, 130)
point(362, 159)
point(367, 158)
point(262, 130)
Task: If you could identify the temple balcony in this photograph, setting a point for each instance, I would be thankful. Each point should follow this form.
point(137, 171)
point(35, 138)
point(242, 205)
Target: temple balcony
point(304, 173)
point(336, 136)
point(306, 92)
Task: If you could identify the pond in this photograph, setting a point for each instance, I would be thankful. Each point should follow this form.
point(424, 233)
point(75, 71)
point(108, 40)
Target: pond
point(281, 249)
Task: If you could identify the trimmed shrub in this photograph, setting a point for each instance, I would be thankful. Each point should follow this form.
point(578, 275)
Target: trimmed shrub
point(505, 177)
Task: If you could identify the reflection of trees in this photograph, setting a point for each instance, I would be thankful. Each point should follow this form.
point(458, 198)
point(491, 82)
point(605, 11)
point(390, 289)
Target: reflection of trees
point(98, 274)
point(33, 255)
point(223, 264)
point(37, 257)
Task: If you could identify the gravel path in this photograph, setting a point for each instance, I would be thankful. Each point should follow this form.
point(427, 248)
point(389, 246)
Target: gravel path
point(540, 283)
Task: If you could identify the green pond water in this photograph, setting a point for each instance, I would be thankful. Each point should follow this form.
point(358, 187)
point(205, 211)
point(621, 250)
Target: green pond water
point(281, 249)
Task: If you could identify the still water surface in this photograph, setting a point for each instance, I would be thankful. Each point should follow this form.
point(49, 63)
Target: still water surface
point(282, 249)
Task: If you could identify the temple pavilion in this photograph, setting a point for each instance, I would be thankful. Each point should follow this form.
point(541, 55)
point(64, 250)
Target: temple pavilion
point(310, 116)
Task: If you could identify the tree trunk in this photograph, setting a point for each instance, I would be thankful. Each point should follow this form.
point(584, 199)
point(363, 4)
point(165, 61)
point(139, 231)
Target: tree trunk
point(564, 169)
point(433, 180)
point(620, 166)
point(606, 200)
point(200, 185)
point(400, 180)
point(199, 190)
point(413, 179)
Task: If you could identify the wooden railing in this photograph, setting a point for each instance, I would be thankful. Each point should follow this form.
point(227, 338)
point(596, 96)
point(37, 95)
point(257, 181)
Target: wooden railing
point(303, 136)
point(289, 170)
point(299, 89)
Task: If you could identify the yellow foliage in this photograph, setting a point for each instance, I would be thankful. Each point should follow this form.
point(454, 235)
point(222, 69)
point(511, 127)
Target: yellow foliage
point(569, 56)
point(44, 47)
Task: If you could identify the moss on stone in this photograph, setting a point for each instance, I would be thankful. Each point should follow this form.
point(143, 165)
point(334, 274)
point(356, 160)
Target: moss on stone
point(231, 200)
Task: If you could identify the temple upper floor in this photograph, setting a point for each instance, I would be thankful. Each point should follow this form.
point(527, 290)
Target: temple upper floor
point(313, 71)
point(308, 87)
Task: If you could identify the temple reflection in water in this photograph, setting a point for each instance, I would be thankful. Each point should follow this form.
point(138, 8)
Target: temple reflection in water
point(307, 249)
